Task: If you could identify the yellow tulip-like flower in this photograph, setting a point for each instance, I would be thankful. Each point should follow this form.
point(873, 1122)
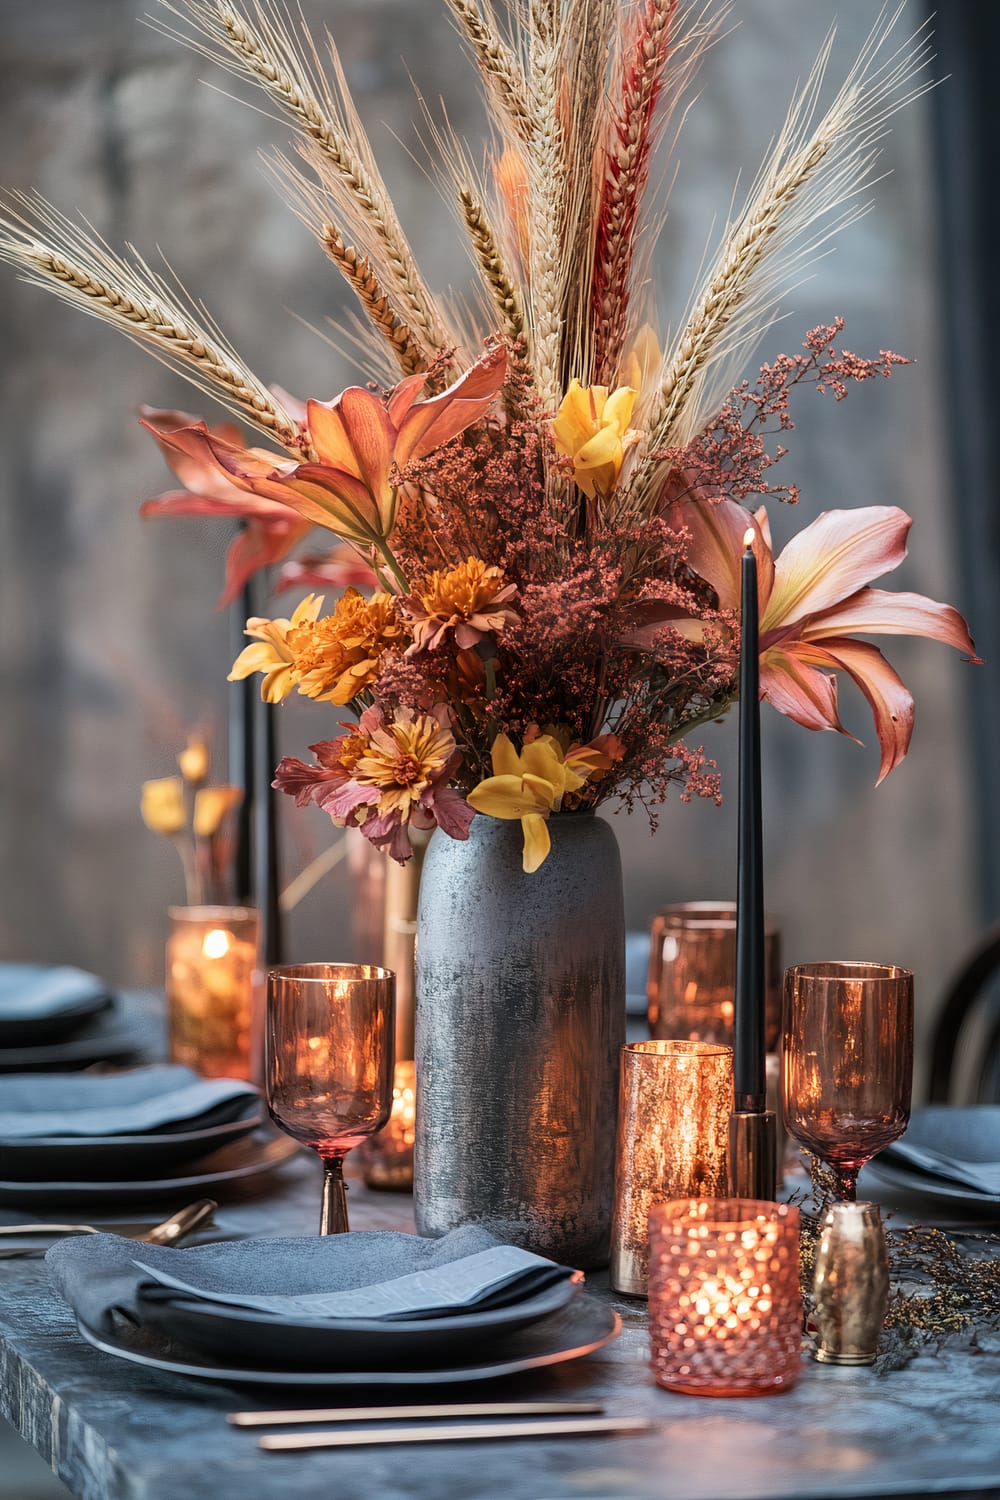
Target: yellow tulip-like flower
point(529, 786)
point(642, 359)
point(162, 806)
point(270, 652)
point(592, 429)
point(210, 807)
point(193, 759)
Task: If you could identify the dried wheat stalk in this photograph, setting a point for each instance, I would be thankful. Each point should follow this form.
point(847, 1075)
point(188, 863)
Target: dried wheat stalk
point(52, 251)
point(546, 171)
point(492, 268)
point(626, 173)
point(813, 171)
point(502, 74)
point(357, 270)
point(259, 45)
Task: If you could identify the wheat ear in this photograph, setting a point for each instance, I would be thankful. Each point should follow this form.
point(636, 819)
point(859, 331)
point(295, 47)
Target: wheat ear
point(546, 173)
point(492, 267)
point(54, 252)
point(357, 270)
point(501, 72)
point(812, 172)
point(259, 45)
point(626, 171)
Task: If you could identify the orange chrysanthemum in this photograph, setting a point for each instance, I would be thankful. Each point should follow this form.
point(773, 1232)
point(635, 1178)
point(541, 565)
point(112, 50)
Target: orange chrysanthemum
point(336, 657)
point(470, 601)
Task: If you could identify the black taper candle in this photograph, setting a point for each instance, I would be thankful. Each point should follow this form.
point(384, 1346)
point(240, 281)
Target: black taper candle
point(267, 883)
point(749, 1058)
point(241, 759)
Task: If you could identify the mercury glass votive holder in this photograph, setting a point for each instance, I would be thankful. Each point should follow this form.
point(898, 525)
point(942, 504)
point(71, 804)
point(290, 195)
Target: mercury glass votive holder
point(674, 1103)
point(215, 991)
point(725, 1309)
point(691, 984)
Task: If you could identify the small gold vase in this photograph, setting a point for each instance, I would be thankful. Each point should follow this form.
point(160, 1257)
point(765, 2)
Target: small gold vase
point(851, 1284)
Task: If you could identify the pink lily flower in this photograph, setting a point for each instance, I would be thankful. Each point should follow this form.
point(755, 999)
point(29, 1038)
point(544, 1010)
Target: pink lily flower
point(813, 600)
point(271, 529)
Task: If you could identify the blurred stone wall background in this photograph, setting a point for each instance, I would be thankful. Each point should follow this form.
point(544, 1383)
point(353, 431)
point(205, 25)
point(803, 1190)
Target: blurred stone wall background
point(110, 640)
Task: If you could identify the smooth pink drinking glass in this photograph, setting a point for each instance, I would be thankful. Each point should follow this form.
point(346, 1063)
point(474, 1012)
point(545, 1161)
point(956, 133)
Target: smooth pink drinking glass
point(847, 1071)
point(329, 1063)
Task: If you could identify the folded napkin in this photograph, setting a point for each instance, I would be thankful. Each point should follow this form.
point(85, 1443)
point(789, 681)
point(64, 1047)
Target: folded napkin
point(34, 992)
point(141, 1102)
point(371, 1274)
point(958, 1145)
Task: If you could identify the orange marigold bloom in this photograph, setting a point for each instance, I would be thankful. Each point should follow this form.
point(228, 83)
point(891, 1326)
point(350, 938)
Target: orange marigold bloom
point(336, 657)
point(470, 600)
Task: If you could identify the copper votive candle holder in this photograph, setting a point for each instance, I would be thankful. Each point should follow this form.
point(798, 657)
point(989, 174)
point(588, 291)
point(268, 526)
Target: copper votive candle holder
point(215, 991)
point(387, 1157)
point(692, 973)
point(725, 1309)
point(674, 1103)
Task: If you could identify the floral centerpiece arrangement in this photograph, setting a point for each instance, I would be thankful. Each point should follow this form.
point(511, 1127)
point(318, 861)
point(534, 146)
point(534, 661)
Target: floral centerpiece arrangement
point(551, 505)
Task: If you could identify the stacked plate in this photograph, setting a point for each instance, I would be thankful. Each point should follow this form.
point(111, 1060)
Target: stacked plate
point(60, 1017)
point(102, 1138)
point(366, 1308)
point(949, 1154)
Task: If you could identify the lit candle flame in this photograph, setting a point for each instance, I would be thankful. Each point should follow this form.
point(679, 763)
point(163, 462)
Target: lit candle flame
point(748, 536)
point(216, 944)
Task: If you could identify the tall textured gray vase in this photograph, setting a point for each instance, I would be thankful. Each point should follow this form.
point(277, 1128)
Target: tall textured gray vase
point(520, 1019)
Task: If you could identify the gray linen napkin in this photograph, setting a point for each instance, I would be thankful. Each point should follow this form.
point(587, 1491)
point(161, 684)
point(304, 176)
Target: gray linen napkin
point(373, 1274)
point(959, 1145)
point(145, 1100)
point(32, 992)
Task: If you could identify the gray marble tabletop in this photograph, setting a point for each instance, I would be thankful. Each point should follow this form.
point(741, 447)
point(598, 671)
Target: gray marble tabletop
point(113, 1431)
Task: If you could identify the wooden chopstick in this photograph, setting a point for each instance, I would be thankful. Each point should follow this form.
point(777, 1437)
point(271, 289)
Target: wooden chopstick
point(463, 1432)
point(411, 1413)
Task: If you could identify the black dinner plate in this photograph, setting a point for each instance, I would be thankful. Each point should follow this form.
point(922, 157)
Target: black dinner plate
point(261, 1151)
point(352, 1343)
point(81, 1158)
point(583, 1326)
point(109, 1036)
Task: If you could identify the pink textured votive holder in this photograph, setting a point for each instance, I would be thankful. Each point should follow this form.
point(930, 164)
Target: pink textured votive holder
point(725, 1310)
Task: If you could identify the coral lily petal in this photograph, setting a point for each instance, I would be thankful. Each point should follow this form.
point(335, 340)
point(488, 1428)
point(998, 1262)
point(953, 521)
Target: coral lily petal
point(800, 692)
point(880, 612)
point(891, 702)
point(716, 529)
point(429, 424)
point(832, 558)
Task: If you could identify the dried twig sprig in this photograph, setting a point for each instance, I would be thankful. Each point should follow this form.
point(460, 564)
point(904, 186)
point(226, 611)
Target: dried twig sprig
point(53, 251)
point(259, 45)
point(817, 168)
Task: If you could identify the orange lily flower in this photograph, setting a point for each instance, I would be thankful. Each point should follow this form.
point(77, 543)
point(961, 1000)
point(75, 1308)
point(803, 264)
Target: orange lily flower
point(271, 529)
point(358, 439)
point(813, 600)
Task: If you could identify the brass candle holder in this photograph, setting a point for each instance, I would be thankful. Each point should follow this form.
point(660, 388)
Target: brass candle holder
point(673, 1120)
